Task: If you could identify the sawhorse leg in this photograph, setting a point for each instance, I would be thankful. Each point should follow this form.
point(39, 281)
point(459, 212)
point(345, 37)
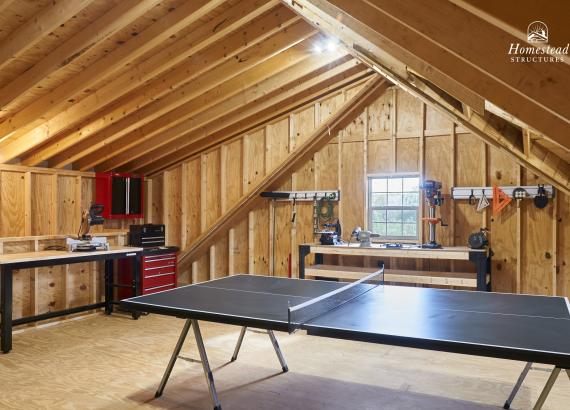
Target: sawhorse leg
point(273, 339)
point(203, 359)
point(545, 391)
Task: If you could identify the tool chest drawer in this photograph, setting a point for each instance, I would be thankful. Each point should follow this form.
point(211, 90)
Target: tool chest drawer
point(158, 272)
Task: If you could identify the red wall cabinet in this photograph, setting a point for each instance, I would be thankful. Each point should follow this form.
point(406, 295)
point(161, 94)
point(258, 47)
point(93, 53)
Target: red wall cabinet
point(121, 194)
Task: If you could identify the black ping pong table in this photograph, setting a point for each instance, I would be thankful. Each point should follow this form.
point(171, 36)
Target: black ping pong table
point(508, 326)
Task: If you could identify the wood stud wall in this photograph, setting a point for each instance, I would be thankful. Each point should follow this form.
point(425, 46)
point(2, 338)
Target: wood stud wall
point(397, 133)
point(38, 208)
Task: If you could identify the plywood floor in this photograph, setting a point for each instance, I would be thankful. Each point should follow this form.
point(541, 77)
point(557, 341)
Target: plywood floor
point(116, 363)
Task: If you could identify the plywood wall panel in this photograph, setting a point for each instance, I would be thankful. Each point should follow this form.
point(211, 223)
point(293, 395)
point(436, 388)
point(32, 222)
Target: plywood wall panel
point(407, 155)
point(210, 191)
point(51, 288)
point(379, 121)
point(173, 205)
point(563, 246)
point(353, 185)
point(238, 260)
point(12, 204)
point(157, 196)
point(282, 240)
point(192, 205)
point(43, 189)
point(504, 234)
point(277, 144)
point(409, 121)
point(326, 167)
point(379, 156)
point(538, 259)
point(79, 282)
point(259, 241)
point(253, 159)
point(68, 217)
point(437, 123)
point(233, 179)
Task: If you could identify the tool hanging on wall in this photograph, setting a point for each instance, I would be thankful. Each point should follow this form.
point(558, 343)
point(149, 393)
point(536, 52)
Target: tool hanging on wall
point(483, 202)
point(500, 200)
point(519, 194)
point(478, 240)
point(541, 200)
point(301, 196)
point(433, 198)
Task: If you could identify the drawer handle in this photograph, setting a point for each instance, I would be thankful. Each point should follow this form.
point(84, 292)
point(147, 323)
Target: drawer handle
point(159, 267)
point(160, 287)
point(159, 275)
point(160, 259)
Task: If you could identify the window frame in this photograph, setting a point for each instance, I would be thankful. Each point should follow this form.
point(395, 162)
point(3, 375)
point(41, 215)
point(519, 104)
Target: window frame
point(370, 208)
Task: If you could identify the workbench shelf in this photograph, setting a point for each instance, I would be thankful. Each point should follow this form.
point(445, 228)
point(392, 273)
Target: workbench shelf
point(478, 280)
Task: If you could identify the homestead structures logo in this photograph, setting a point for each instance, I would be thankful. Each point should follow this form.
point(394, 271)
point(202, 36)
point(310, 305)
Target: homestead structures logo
point(539, 51)
point(537, 32)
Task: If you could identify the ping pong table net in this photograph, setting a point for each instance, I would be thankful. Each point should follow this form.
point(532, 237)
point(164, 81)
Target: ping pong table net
point(300, 314)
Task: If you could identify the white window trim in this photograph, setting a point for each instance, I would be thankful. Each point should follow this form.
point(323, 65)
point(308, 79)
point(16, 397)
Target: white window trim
point(404, 239)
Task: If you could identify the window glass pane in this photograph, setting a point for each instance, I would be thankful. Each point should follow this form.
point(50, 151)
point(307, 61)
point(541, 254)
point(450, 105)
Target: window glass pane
point(409, 216)
point(379, 185)
point(395, 185)
point(411, 199)
point(394, 229)
point(394, 215)
point(379, 228)
point(410, 229)
point(379, 199)
point(411, 184)
point(394, 199)
point(378, 216)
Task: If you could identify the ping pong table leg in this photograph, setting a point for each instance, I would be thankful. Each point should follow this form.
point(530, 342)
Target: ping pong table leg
point(278, 351)
point(239, 342)
point(173, 358)
point(206, 366)
point(518, 385)
point(547, 388)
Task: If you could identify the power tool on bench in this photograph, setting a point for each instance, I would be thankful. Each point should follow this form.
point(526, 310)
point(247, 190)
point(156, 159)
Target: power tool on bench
point(433, 198)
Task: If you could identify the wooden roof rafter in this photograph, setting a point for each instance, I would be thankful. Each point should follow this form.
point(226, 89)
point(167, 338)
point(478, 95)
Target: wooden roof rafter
point(225, 133)
point(52, 103)
point(264, 93)
point(167, 89)
point(435, 40)
point(102, 28)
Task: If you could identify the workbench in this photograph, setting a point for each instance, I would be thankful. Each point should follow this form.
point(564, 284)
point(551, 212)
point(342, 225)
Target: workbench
point(480, 280)
point(26, 260)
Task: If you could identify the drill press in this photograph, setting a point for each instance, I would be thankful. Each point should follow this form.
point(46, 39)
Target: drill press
point(433, 198)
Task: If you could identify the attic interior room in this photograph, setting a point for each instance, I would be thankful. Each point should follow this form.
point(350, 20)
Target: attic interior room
point(284, 204)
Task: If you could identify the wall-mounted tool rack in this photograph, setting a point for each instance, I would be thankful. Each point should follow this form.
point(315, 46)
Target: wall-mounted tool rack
point(302, 195)
point(477, 191)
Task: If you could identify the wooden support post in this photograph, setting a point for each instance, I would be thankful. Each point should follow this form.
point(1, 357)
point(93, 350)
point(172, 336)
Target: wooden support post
point(28, 203)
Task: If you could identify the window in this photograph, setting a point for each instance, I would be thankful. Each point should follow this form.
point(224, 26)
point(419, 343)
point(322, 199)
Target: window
point(393, 206)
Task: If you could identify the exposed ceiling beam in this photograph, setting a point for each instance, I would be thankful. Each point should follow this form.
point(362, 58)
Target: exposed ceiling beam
point(5, 4)
point(324, 17)
point(268, 92)
point(49, 104)
point(550, 167)
point(320, 137)
point(103, 27)
point(41, 24)
point(333, 84)
point(250, 116)
point(430, 49)
point(207, 91)
point(226, 58)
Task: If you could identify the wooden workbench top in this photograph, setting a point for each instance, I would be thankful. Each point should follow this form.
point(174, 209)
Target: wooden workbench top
point(449, 252)
point(50, 255)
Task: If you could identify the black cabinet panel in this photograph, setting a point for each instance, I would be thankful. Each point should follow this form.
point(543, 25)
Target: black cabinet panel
point(119, 199)
point(135, 191)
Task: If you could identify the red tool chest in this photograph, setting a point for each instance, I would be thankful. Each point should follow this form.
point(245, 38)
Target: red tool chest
point(158, 272)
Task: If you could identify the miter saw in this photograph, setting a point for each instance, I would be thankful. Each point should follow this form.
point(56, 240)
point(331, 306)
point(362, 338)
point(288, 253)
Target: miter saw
point(84, 241)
